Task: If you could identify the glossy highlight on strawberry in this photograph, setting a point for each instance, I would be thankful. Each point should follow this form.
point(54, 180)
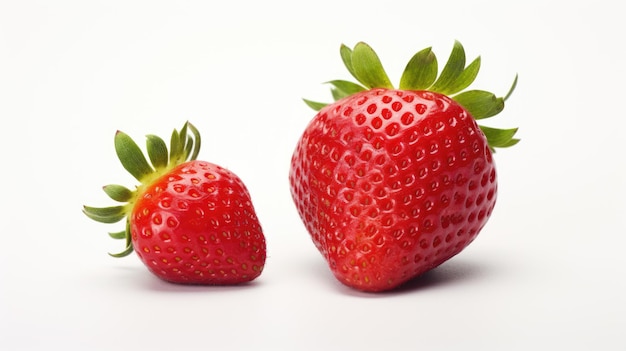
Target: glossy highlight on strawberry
point(390, 183)
point(189, 221)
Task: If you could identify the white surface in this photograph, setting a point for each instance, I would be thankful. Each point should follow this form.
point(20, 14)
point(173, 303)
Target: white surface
point(547, 272)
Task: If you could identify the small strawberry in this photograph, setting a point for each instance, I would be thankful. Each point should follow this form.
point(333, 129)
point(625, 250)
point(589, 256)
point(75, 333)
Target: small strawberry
point(189, 221)
point(390, 183)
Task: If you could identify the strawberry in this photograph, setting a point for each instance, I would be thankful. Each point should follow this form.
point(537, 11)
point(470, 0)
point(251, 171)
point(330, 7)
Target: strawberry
point(390, 183)
point(189, 221)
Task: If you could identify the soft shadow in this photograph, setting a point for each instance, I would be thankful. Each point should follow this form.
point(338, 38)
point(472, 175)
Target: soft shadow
point(158, 285)
point(142, 278)
point(455, 271)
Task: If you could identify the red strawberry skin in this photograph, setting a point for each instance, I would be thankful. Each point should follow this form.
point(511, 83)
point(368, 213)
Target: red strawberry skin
point(197, 225)
point(392, 183)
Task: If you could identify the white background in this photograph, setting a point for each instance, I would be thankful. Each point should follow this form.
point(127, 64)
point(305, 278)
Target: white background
point(547, 272)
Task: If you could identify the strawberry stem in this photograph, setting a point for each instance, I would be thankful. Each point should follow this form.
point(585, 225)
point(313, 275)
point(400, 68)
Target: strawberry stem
point(183, 147)
point(421, 73)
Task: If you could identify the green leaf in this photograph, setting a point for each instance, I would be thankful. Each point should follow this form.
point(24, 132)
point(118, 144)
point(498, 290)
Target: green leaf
point(451, 71)
point(129, 249)
point(315, 105)
point(105, 214)
point(420, 72)
point(118, 193)
point(346, 57)
point(131, 157)
point(157, 151)
point(118, 235)
point(510, 143)
point(368, 69)
point(197, 141)
point(188, 147)
point(466, 78)
point(500, 137)
point(182, 137)
point(129, 241)
point(175, 147)
point(347, 87)
point(344, 88)
point(513, 86)
point(337, 94)
point(184, 146)
point(479, 103)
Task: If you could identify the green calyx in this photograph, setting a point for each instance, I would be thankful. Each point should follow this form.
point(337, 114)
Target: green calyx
point(184, 146)
point(422, 73)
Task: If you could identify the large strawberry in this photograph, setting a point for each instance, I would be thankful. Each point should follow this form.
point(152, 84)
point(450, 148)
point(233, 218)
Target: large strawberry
point(391, 183)
point(189, 221)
